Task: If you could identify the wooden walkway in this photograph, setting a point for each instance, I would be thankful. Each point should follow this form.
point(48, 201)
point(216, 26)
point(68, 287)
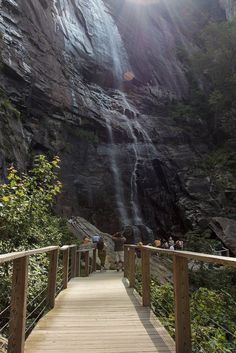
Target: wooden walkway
point(98, 314)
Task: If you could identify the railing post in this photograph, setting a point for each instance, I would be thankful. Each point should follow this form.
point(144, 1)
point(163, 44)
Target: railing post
point(146, 278)
point(86, 260)
point(182, 309)
point(94, 260)
point(65, 268)
point(52, 278)
point(131, 267)
point(18, 306)
point(78, 263)
point(73, 261)
point(126, 260)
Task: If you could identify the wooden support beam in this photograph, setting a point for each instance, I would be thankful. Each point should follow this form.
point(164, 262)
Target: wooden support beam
point(78, 264)
point(94, 260)
point(52, 277)
point(18, 306)
point(126, 261)
point(73, 261)
point(65, 268)
point(146, 278)
point(182, 309)
point(86, 260)
point(131, 267)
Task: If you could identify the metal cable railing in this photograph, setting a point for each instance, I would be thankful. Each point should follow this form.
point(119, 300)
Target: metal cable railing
point(36, 277)
point(204, 301)
point(36, 319)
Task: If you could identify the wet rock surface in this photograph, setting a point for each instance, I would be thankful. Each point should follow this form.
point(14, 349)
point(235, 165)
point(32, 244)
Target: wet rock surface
point(124, 159)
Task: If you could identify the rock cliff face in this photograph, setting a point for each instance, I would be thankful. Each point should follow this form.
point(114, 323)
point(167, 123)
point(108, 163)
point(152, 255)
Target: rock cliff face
point(230, 8)
point(93, 80)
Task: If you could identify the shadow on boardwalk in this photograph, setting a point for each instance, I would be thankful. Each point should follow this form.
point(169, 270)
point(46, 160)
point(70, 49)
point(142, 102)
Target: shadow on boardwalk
point(99, 314)
point(157, 333)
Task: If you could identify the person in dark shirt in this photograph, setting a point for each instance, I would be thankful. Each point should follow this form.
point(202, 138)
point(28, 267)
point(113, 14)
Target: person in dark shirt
point(102, 252)
point(119, 241)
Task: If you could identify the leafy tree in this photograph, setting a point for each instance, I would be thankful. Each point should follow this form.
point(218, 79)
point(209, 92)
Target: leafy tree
point(25, 203)
point(217, 60)
point(27, 221)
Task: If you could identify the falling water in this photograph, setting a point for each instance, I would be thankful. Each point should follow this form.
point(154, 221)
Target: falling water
point(137, 218)
point(114, 40)
point(119, 65)
point(120, 200)
point(101, 40)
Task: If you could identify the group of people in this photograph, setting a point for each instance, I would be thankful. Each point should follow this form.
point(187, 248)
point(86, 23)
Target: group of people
point(169, 244)
point(119, 241)
point(101, 246)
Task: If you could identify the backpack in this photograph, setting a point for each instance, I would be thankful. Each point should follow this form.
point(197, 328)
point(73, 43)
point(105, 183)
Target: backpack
point(100, 245)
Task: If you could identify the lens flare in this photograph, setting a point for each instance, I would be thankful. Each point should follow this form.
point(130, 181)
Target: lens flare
point(129, 76)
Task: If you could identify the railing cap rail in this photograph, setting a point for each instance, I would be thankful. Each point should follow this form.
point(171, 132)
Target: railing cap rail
point(16, 255)
point(85, 250)
point(222, 260)
point(65, 247)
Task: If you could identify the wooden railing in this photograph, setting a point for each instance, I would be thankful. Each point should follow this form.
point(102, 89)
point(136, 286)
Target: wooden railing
point(18, 304)
point(181, 284)
point(90, 264)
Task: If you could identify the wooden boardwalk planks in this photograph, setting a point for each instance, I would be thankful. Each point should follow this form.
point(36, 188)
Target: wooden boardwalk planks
point(98, 314)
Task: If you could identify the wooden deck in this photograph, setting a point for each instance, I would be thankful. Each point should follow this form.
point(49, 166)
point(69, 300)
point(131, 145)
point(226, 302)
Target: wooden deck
point(98, 314)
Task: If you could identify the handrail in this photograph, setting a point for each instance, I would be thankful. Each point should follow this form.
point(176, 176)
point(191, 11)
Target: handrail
point(221, 260)
point(18, 305)
point(65, 247)
point(181, 284)
point(19, 254)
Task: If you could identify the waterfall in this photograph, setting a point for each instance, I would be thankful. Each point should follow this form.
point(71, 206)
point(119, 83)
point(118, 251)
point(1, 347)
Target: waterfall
point(137, 217)
point(119, 66)
point(90, 28)
point(119, 190)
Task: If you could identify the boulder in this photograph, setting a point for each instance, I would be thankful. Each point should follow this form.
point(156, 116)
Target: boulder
point(225, 230)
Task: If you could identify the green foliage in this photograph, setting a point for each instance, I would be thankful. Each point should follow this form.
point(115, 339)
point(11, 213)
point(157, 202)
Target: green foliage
point(184, 111)
point(210, 112)
point(162, 297)
point(89, 136)
point(9, 108)
point(27, 222)
point(25, 202)
point(213, 318)
point(213, 321)
point(218, 57)
point(7, 105)
point(198, 241)
point(4, 101)
point(214, 65)
point(219, 165)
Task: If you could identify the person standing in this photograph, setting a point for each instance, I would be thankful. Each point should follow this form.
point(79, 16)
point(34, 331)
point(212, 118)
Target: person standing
point(102, 252)
point(119, 241)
